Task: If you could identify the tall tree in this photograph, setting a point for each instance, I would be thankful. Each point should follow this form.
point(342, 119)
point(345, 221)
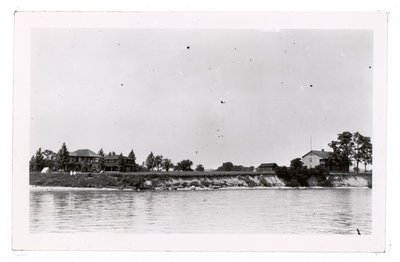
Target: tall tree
point(49, 159)
point(199, 168)
point(62, 157)
point(227, 166)
point(132, 157)
point(101, 160)
point(367, 152)
point(121, 163)
point(167, 164)
point(32, 164)
point(296, 164)
point(48, 154)
point(333, 162)
point(101, 152)
point(39, 160)
point(184, 165)
point(343, 150)
point(150, 161)
point(358, 153)
point(158, 161)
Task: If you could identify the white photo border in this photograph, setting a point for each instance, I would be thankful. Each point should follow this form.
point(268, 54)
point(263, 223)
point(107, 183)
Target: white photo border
point(273, 21)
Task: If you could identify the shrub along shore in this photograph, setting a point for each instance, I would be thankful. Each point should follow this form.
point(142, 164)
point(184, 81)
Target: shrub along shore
point(198, 180)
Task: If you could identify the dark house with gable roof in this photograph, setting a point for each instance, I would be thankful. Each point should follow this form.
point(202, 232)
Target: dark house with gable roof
point(266, 167)
point(83, 160)
point(119, 163)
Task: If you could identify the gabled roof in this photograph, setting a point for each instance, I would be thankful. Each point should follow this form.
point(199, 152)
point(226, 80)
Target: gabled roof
point(84, 153)
point(265, 165)
point(321, 154)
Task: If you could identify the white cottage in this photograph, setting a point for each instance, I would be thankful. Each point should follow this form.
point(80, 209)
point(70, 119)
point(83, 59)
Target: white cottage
point(315, 158)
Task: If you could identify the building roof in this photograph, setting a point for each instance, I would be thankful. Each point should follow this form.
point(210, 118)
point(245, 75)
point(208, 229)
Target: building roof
point(115, 157)
point(84, 153)
point(266, 165)
point(111, 157)
point(322, 154)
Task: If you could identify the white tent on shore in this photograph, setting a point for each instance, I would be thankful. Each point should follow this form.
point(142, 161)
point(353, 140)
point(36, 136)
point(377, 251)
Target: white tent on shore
point(45, 170)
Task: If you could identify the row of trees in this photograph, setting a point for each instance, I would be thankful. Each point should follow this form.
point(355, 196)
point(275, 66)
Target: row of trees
point(60, 160)
point(158, 162)
point(350, 147)
point(347, 148)
point(48, 158)
point(122, 161)
point(229, 166)
point(298, 175)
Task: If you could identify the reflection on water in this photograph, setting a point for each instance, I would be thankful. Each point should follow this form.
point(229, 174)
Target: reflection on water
point(270, 211)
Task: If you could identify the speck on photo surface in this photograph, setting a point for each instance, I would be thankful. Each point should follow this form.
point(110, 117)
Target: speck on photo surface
point(206, 130)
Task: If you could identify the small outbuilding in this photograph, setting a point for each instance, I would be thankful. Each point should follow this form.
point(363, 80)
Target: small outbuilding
point(267, 167)
point(45, 170)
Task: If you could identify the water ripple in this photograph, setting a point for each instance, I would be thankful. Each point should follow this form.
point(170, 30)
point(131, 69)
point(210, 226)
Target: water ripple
point(274, 211)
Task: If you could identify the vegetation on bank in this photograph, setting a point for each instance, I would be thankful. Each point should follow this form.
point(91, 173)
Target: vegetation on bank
point(175, 180)
point(88, 180)
point(59, 162)
point(141, 181)
point(347, 148)
point(298, 176)
point(229, 166)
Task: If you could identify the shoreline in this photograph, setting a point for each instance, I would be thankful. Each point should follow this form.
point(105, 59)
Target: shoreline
point(63, 188)
point(195, 181)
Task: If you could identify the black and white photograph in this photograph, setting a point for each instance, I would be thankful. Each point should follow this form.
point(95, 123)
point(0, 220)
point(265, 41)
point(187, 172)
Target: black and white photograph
point(199, 124)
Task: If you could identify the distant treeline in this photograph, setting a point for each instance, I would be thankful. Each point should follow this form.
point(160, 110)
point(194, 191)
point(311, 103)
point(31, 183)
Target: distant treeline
point(350, 147)
point(60, 160)
point(347, 148)
point(228, 166)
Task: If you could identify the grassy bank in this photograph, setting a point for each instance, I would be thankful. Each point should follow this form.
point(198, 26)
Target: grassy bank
point(191, 173)
point(179, 180)
point(87, 180)
point(142, 180)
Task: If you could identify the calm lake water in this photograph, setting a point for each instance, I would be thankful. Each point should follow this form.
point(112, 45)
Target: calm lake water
point(267, 211)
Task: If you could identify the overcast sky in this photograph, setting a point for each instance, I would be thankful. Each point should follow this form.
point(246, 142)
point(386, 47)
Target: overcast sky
point(161, 91)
